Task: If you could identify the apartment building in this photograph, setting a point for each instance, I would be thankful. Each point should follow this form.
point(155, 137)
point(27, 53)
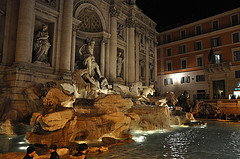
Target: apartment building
point(202, 57)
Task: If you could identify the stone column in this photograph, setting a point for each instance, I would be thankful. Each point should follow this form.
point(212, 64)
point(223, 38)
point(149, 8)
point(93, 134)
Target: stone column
point(24, 40)
point(73, 50)
point(137, 56)
point(102, 58)
point(131, 50)
point(107, 67)
point(113, 41)
point(66, 36)
point(155, 61)
point(147, 62)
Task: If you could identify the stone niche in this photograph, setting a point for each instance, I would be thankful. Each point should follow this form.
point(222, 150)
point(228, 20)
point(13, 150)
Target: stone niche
point(38, 26)
point(79, 59)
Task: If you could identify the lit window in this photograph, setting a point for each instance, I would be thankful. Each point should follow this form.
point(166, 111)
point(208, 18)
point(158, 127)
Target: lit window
point(185, 79)
point(168, 81)
point(218, 58)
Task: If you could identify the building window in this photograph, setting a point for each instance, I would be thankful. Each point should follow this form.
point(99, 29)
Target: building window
point(198, 45)
point(169, 51)
point(199, 61)
point(198, 30)
point(216, 41)
point(169, 38)
point(237, 74)
point(235, 37)
point(215, 25)
point(200, 78)
point(236, 55)
point(201, 94)
point(183, 34)
point(184, 64)
point(182, 49)
point(218, 58)
point(168, 81)
point(185, 79)
point(169, 66)
point(235, 20)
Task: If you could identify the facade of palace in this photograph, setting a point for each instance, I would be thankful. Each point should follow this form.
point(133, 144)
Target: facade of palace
point(202, 57)
point(40, 41)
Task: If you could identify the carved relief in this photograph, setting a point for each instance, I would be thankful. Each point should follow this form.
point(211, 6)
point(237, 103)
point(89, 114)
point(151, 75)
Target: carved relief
point(130, 23)
point(114, 12)
point(50, 3)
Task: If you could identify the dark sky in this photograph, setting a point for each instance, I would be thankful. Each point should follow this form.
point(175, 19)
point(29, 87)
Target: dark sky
point(171, 12)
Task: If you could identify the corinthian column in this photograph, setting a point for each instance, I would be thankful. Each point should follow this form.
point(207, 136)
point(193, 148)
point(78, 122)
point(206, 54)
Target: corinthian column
point(113, 43)
point(25, 29)
point(147, 61)
point(66, 36)
point(102, 60)
point(131, 50)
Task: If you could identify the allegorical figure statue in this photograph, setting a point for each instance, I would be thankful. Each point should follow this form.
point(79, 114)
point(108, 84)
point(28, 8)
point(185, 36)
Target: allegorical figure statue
point(90, 62)
point(41, 45)
point(120, 61)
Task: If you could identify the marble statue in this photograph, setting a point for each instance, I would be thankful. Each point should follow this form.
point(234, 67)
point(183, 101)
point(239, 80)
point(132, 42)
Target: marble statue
point(137, 88)
point(120, 61)
point(89, 60)
point(41, 45)
point(89, 82)
point(146, 91)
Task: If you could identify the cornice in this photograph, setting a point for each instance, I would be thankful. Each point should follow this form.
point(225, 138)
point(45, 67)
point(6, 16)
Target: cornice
point(194, 38)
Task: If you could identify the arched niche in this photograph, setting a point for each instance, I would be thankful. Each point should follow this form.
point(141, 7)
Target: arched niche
point(90, 16)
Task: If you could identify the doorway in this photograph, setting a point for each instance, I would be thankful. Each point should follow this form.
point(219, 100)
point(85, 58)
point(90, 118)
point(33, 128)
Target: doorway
point(218, 89)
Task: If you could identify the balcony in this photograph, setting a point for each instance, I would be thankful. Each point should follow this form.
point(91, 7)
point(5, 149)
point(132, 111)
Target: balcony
point(220, 67)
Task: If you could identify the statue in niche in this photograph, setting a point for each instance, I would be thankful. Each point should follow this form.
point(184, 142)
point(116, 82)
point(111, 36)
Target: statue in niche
point(91, 75)
point(120, 30)
point(89, 60)
point(120, 61)
point(41, 45)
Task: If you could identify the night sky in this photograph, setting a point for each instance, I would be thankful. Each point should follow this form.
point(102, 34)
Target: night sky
point(172, 13)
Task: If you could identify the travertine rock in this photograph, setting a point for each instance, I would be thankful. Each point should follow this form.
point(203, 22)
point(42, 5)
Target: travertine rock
point(119, 121)
point(56, 97)
point(112, 103)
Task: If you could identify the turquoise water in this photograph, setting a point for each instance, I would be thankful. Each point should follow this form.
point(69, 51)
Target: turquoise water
point(219, 140)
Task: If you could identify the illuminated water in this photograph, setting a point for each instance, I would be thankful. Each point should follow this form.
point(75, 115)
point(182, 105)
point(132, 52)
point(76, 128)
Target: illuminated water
point(219, 140)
